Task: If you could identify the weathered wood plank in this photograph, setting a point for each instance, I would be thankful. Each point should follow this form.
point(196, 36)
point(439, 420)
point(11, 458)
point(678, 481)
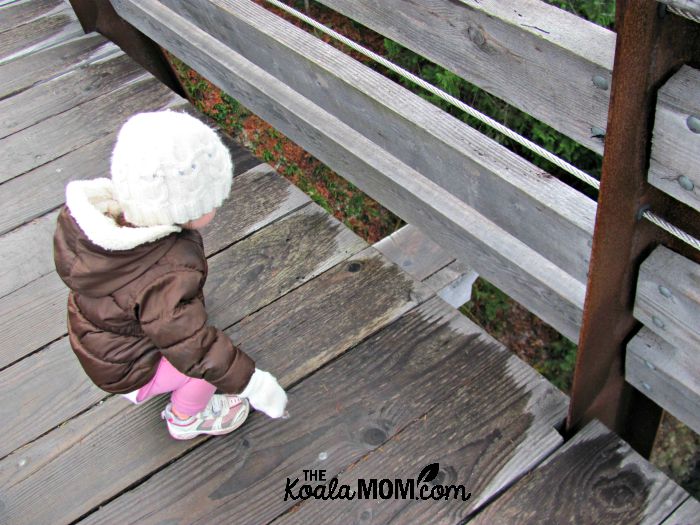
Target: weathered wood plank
point(668, 297)
point(515, 268)
point(46, 31)
point(283, 256)
point(675, 152)
point(81, 125)
point(528, 203)
point(245, 270)
point(65, 92)
point(534, 56)
point(425, 261)
point(686, 514)
point(19, 13)
point(80, 477)
point(27, 253)
point(43, 302)
point(494, 428)
point(595, 478)
point(51, 385)
point(369, 395)
point(27, 71)
point(670, 375)
point(413, 252)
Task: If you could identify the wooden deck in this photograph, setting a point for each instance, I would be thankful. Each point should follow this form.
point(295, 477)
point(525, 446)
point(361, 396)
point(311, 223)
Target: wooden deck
point(383, 377)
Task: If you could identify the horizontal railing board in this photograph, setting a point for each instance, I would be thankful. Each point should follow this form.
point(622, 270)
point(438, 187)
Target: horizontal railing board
point(668, 297)
point(534, 56)
point(538, 209)
point(675, 152)
point(668, 375)
point(521, 272)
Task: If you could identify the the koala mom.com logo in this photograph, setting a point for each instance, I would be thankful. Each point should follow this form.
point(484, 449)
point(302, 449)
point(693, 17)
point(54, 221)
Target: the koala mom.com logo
point(423, 487)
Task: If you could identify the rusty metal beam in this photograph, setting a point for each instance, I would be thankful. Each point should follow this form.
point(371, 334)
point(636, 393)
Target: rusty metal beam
point(99, 15)
point(651, 46)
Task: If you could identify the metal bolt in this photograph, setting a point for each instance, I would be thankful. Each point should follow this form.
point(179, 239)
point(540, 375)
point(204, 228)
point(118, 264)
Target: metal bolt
point(686, 183)
point(649, 365)
point(601, 82)
point(22, 462)
point(665, 291)
point(646, 386)
point(658, 322)
point(323, 456)
point(693, 123)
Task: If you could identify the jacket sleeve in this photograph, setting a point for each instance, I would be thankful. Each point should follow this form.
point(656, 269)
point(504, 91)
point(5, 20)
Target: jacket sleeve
point(172, 315)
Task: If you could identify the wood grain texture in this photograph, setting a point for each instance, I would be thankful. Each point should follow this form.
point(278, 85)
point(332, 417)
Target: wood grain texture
point(81, 125)
point(42, 302)
point(32, 317)
point(534, 56)
point(27, 253)
point(668, 297)
point(65, 92)
point(594, 478)
point(54, 28)
point(413, 252)
point(524, 200)
point(19, 13)
point(686, 514)
point(50, 385)
point(518, 270)
point(496, 425)
point(24, 72)
point(669, 375)
point(82, 476)
point(282, 256)
point(675, 151)
point(359, 401)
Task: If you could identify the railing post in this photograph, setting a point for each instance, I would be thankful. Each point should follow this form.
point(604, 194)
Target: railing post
point(651, 46)
point(99, 15)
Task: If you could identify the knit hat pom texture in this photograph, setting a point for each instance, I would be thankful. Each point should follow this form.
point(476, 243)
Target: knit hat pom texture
point(169, 168)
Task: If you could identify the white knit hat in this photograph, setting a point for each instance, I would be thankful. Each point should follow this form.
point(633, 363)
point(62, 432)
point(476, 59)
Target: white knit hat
point(169, 168)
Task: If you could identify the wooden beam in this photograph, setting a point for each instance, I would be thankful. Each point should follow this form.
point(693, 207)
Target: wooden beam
point(667, 298)
point(670, 375)
point(463, 232)
point(649, 49)
point(549, 63)
point(541, 211)
point(675, 152)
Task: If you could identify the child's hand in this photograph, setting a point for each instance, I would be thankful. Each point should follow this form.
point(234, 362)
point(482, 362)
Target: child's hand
point(265, 394)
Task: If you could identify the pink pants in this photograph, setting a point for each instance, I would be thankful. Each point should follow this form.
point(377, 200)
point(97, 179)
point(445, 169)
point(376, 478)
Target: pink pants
point(189, 395)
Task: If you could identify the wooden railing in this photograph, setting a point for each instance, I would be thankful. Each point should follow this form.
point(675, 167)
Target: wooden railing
point(521, 228)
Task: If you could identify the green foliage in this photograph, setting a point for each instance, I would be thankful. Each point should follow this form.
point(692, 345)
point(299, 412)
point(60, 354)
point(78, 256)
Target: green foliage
point(560, 363)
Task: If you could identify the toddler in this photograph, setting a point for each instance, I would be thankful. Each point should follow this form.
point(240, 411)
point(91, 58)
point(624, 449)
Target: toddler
point(130, 251)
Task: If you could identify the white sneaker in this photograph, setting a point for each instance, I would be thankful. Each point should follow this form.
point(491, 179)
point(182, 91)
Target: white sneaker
point(223, 414)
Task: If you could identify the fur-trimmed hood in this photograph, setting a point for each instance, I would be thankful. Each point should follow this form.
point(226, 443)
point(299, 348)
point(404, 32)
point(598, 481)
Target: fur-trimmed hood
point(94, 255)
point(89, 200)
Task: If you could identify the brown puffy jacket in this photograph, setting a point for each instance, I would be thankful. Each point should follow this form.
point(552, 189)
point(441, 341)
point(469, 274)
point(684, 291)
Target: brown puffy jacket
point(132, 302)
